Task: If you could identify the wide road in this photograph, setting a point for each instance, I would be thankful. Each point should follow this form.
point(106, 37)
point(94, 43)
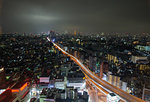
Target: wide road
point(124, 95)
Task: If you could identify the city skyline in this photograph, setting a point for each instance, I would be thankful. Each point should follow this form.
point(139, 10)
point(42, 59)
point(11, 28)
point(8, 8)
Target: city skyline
point(74, 50)
point(84, 16)
point(67, 66)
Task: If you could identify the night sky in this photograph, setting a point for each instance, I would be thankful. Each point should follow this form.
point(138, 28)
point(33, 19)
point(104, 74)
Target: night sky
point(82, 15)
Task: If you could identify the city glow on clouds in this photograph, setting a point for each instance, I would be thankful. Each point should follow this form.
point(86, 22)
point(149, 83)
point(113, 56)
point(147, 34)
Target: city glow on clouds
point(87, 15)
point(44, 17)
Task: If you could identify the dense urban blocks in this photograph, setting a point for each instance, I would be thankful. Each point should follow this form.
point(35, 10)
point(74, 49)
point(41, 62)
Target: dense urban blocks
point(33, 59)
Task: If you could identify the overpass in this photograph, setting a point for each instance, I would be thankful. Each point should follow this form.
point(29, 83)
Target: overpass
point(97, 81)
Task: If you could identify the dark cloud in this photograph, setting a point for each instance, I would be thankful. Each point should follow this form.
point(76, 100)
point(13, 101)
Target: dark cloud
point(83, 15)
point(0, 16)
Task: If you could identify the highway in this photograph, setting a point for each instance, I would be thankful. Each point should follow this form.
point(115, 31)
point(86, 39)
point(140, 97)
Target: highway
point(96, 80)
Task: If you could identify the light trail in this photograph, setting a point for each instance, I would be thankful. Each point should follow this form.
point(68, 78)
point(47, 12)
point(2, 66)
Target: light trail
point(107, 86)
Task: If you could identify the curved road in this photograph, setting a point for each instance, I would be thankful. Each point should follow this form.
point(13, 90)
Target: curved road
point(95, 78)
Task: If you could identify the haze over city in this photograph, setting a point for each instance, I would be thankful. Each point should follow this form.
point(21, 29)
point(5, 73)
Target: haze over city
point(85, 16)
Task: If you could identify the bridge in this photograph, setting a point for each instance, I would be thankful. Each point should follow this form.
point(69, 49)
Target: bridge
point(99, 84)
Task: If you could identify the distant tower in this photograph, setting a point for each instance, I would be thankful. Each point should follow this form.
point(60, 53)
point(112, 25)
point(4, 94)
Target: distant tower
point(52, 33)
point(75, 32)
